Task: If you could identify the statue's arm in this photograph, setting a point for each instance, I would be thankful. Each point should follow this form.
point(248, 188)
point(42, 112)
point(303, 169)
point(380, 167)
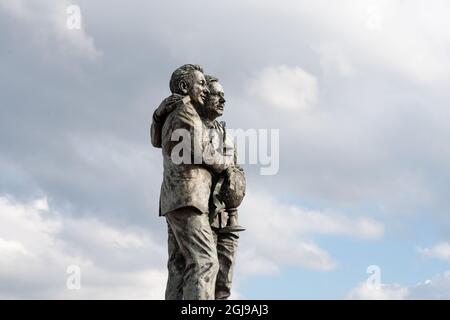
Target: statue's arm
point(156, 131)
point(159, 117)
point(201, 151)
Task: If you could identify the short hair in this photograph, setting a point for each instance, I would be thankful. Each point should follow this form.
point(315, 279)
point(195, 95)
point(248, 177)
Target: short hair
point(210, 79)
point(183, 73)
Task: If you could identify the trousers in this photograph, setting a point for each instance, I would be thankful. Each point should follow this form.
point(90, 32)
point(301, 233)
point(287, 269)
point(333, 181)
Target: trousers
point(226, 244)
point(192, 263)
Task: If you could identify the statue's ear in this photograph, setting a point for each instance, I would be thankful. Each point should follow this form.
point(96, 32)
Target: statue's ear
point(184, 87)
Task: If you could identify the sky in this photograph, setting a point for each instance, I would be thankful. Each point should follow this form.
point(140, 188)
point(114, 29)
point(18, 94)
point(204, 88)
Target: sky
point(357, 89)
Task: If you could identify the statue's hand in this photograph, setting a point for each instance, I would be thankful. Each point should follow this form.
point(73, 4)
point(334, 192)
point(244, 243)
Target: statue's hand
point(237, 166)
point(229, 171)
point(167, 106)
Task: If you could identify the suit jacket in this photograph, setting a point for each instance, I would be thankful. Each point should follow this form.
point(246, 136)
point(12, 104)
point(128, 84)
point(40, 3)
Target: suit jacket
point(187, 184)
point(220, 219)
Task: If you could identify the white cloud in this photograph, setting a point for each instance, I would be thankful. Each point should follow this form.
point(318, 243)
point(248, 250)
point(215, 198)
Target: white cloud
point(45, 23)
point(406, 38)
point(420, 53)
point(333, 59)
point(383, 292)
point(435, 288)
point(285, 87)
point(37, 245)
point(251, 264)
point(279, 235)
point(10, 249)
point(440, 251)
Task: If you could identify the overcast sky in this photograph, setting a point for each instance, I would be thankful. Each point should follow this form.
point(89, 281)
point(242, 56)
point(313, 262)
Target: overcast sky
point(358, 90)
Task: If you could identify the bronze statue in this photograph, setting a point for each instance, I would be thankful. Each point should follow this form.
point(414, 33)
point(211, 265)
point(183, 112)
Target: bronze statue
point(193, 203)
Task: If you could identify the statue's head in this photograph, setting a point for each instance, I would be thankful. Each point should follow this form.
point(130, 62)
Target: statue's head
point(189, 80)
point(215, 101)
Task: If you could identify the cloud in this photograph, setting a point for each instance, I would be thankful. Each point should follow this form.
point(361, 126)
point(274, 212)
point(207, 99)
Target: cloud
point(267, 219)
point(383, 292)
point(251, 264)
point(402, 38)
point(439, 251)
point(45, 25)
point(419, 54)
point(37, 245)
point(435, 288)
point(334, 60)
point(284, 87)
point(10, 249)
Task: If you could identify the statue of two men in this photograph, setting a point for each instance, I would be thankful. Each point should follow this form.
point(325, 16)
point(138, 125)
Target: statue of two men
point(201, 189)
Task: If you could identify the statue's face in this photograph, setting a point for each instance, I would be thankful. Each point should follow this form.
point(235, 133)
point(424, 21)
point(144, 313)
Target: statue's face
point(215, 102)
point(198, 89)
